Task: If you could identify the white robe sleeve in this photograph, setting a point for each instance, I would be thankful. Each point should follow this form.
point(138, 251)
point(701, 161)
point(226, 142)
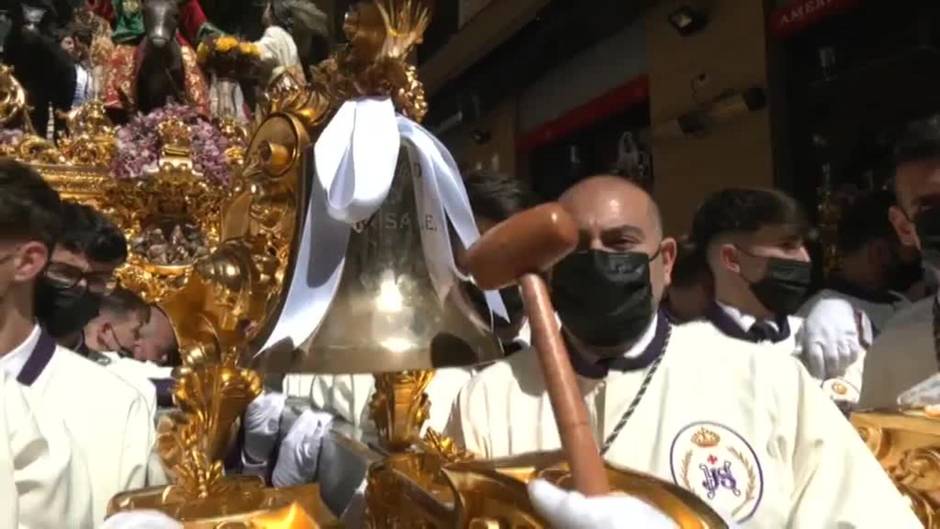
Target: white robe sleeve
point(837, 482)
point(43, 482)
point(137, 446)
point(467, 417)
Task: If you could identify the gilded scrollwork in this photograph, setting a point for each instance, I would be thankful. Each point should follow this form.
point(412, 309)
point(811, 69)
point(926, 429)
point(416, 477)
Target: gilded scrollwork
point(907, 444)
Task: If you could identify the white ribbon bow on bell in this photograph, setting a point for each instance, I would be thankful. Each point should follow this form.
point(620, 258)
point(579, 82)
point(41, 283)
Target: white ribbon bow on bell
point(355, 160)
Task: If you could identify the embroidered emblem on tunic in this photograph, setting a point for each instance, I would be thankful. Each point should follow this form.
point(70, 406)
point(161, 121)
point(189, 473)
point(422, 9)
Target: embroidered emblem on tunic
point(839, 389)
point(716, 463)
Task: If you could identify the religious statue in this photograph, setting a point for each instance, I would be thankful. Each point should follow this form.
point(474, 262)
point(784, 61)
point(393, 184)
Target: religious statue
point(153, 59)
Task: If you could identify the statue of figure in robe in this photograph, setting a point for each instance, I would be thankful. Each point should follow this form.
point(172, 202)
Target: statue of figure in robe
point(129, 36)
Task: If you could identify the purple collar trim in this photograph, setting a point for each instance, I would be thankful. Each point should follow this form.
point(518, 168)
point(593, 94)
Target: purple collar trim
point(38, 359)
point(729, 327)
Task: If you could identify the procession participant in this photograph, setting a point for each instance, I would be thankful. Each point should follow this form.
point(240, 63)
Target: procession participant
point(748, 431)
point(43, 476)
point(76, 41)
point(111, 338)
point(874, 268)
point(157, 342)
point(277, 44)
point(90, 249)
point(692, 289)
point(753, 242)
point(117, 444)
point(494, 197)
point(906, 351)
point(45, 71)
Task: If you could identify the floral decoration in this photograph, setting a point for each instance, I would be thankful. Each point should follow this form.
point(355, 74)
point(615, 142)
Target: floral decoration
point(227, 56)
point(139, 144)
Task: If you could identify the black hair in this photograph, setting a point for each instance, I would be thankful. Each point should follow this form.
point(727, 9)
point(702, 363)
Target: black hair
point(865, 220)
point(919, 140)
point(171, 351)
point(88, 232)
point(496, 196)
point(29, 207)
point(691, 266)
point(741, 210)
point(124, 302)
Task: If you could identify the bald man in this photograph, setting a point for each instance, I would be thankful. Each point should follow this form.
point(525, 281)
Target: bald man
point(749, 432)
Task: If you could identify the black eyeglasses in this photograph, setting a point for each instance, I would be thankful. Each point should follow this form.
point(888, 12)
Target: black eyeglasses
point(67, 277)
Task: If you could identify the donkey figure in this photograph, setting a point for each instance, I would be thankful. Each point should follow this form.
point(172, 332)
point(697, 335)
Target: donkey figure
point(160, 75)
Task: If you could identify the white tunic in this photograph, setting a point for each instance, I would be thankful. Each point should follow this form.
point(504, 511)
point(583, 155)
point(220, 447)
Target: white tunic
point(43, 481)
point(902, 356)
point(749, 432)
point(108, 419)
point(348, 396)
point(138, 374)
point(276, 44)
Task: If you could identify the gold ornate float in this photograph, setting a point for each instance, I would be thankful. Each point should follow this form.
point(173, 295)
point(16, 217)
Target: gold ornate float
point(223, 305)
point(907, 444)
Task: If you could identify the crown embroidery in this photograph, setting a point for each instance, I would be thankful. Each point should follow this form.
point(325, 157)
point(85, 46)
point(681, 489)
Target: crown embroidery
point(706, 438)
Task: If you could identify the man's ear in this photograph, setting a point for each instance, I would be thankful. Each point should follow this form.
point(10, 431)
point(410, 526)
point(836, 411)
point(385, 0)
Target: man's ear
point(728, 258)
point(31, 259)
point(668, 249)
point(905, 229)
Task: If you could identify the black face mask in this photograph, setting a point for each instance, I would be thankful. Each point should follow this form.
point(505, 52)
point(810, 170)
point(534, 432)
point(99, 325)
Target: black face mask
point(784, 285)
point(65, 312)
point(928, 231)
point(512, 299)
point(603, 298)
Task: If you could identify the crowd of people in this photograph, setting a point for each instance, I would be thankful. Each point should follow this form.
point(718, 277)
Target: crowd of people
point(710, 361)
point(83, 362)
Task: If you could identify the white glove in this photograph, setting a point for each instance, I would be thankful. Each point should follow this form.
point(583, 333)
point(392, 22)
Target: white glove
point(832, 338)
point(571, 510)
point(262, 420)
point(140, 520)
point(300, 450)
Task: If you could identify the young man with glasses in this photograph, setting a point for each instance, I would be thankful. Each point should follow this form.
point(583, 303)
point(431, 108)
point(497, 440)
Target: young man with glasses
point(108, 419)
point(80, 272)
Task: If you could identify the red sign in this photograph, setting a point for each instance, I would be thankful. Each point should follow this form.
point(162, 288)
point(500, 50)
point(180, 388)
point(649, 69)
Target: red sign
point(801, 14)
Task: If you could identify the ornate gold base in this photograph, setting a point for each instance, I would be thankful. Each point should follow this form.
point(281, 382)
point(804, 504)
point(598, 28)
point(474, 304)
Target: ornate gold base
point(430, 483)
point(907, 444)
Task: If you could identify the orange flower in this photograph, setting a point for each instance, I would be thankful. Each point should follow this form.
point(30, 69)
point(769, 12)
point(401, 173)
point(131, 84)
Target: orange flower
point(225, 43)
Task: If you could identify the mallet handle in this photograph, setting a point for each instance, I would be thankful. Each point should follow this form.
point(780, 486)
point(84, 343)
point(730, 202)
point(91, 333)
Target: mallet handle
point(577, 436)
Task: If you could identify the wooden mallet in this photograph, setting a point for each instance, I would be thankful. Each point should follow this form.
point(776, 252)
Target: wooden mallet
point(515, 251)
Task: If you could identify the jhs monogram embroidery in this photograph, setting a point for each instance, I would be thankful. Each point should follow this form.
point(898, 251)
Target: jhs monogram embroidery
point(716, 463)
point(718, 478)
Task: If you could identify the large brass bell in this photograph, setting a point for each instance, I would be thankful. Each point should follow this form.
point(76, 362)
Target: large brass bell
point(386, 315)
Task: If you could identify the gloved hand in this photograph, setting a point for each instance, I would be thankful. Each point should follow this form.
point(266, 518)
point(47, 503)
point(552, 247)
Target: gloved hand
point(571, 510)
point(300, 450)
point(832, 338)
point(262, 420)
point(141, 520)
